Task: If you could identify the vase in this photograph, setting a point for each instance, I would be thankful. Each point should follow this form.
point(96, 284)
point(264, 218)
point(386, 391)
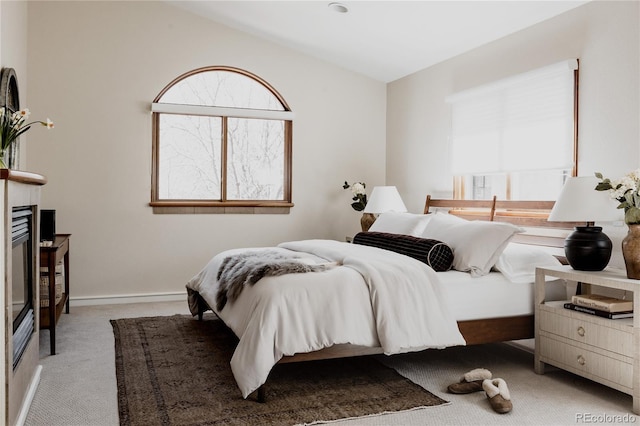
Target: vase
point(4, 158)
point(631, 252)
point(12, 160)
point(366, 221)
point(9, 157)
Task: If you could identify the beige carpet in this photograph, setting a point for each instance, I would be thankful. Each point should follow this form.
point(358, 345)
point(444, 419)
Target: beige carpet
point(175, 371)
point(78, 385)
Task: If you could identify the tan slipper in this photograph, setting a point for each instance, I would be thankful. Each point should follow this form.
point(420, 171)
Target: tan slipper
point(471, 381)
point(498, 394)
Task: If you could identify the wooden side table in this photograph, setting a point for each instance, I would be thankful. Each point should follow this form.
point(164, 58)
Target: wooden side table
point(50, 257)
point(603, 350)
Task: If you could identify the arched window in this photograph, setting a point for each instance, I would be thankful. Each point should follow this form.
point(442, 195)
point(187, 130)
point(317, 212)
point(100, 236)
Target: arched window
point(221, 144)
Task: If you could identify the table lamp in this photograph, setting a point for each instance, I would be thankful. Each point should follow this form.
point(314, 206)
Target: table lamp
point(383, 199)
point(587, 248)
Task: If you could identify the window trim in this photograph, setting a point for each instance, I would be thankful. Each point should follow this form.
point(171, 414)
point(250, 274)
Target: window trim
point(208, 111)
point(221, 206)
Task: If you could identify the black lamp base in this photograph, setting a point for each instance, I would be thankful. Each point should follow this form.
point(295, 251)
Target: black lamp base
point(588, 248)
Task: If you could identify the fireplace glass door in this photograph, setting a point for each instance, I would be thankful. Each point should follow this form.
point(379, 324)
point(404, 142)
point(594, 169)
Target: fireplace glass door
point(22, 279)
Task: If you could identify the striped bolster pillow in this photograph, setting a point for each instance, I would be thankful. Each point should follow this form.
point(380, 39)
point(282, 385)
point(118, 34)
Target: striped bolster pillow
point(434, 253)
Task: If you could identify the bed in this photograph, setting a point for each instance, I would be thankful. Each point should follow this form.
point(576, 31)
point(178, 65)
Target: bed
point(350, 306)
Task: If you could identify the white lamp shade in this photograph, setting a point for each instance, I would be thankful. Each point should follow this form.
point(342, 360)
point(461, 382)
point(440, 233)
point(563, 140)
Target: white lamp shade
point(385, 199)
point(580, 202)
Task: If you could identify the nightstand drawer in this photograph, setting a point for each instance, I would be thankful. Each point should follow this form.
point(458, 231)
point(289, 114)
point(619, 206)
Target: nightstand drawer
point(591, 331)
point(587, 363)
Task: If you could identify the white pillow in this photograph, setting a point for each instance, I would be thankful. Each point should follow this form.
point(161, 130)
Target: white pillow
point(476, 244)
point(518, 262)
point(401, 223)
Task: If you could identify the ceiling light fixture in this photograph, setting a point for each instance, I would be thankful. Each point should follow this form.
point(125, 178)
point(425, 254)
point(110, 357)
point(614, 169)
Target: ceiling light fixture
point(338, 7)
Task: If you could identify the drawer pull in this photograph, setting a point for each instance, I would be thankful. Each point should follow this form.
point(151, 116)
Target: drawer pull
point(581, 331)
point(581, 360)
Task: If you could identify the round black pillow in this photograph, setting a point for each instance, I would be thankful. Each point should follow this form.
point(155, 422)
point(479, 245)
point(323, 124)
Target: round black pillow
point(434, 253)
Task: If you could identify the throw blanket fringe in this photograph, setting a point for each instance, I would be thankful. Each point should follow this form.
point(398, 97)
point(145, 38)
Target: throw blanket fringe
point(240, 270)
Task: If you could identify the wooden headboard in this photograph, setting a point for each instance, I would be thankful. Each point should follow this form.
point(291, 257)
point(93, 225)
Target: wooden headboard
point(530, 215)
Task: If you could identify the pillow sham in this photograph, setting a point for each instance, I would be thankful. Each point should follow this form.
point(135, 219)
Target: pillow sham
point(436, 254)
point(476, 244)
point(400, 223)
point(518, 262)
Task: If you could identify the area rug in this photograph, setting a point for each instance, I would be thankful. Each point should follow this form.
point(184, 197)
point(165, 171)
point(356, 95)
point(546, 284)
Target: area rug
point(175, 371)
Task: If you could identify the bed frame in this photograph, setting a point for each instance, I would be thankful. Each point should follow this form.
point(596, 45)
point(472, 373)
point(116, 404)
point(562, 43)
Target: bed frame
point(531, 215)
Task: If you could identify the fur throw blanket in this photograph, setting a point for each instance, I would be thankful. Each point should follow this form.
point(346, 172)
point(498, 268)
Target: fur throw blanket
point(240, 270)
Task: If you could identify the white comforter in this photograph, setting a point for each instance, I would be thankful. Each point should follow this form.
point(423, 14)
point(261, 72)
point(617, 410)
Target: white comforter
point(377, 298)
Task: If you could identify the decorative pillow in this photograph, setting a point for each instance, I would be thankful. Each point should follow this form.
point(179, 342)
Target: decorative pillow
point(434, 253)
point(476, 244)
point(518, 262)
point(400, 223)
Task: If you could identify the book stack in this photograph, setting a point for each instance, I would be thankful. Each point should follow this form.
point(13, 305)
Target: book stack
point(602, 306)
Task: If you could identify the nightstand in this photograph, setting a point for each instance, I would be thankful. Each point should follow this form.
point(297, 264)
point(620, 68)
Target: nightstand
point(603, 350)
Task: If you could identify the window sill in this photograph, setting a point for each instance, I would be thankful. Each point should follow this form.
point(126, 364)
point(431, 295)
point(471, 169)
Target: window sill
point(208, 207)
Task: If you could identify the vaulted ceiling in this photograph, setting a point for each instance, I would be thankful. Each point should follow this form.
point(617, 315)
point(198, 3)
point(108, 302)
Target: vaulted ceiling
point(385, 40)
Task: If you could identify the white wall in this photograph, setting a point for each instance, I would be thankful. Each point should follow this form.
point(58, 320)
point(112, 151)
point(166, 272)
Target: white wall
point(94, 68)
point(13, 41)
point(604, 35)
point(13, 50)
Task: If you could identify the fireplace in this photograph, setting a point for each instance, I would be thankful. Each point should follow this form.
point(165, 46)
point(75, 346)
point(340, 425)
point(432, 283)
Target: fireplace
point(22, 308)
point(20, 320)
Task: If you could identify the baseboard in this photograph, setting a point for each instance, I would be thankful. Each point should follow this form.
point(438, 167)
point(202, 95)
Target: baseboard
point(128, 298)
point(28, 398)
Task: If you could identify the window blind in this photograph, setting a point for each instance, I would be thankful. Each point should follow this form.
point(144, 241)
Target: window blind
point(521, 123)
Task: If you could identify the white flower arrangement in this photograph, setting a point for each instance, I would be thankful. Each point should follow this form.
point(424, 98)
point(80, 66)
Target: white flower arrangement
point(12, 125)
point(625, 191)
point(359, 194)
